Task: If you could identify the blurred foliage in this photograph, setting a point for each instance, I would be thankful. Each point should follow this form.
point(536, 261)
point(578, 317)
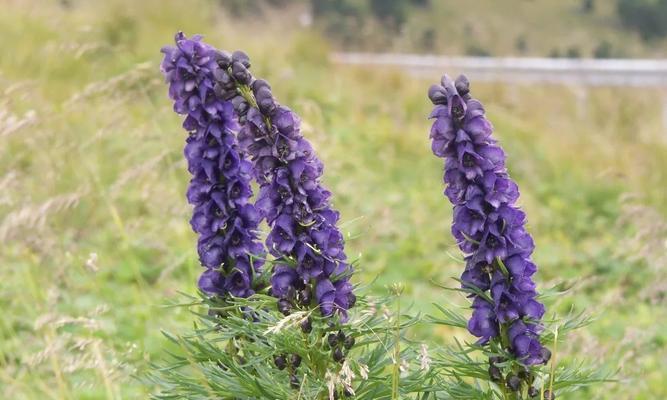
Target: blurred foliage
point(94, 221)
point(648, 17)
point(575, 28)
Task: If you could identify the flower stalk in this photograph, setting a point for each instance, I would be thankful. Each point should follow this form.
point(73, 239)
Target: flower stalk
point(311, 267)
point(223, 217)
point(490, 231)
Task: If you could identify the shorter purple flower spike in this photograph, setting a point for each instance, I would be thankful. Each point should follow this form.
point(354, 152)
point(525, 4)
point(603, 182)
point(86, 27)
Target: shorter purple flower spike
point(488, 226)
point(304, 238)
point(223, 217)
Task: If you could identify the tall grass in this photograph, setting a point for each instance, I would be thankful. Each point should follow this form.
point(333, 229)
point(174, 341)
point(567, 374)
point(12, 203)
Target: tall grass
point(93, 218)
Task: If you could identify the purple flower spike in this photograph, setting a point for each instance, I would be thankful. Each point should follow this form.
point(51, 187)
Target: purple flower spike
point(219, 190)
point(303, 234)
point(488, 226)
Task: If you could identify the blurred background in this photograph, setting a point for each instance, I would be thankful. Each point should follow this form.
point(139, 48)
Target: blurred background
point(94, 223)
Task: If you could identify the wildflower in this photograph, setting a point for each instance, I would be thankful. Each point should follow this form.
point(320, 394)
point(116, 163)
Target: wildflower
point(91, 262)
point(404, 367)
point(424, 359)
point(346, 374)
point(332, 380)
point(280, 361)
point(304, 238)
point(219, 190)
point(289, 321)
point(363, 371)
point(488, 226)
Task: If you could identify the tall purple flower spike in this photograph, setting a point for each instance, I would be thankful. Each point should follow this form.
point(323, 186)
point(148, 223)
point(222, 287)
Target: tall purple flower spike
point(309, 249)
point(488, 226)
point(223, 217)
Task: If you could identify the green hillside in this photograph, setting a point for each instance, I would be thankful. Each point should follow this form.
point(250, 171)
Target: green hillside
point(554, 28)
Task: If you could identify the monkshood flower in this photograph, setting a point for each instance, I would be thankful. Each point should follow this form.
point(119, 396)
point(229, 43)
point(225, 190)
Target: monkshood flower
point(311, 265)
point(488, 226)
point(223, 217)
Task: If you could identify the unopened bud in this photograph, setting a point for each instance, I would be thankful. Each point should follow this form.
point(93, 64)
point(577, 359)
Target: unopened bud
point(241, 57)
point(462, 85)
point(437, 94)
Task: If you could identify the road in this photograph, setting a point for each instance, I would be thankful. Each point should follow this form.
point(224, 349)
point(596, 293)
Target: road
point(581, 72)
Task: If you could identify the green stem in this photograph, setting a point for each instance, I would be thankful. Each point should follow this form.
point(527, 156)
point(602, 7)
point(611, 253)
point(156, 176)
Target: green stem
point(246, 92)
point(502, 266)
point(397, 352)
point(504, 337)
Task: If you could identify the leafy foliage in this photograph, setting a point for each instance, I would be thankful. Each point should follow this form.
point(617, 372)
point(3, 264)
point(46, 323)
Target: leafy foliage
point(465, 360)
point(234, 352)
point(231, 353)
point(648, 17)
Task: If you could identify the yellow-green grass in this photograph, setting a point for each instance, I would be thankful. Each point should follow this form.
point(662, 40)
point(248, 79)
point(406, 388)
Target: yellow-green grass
point(94, 222)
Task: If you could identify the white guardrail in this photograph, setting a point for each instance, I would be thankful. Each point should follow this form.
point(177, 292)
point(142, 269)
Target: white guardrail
point(587, 72)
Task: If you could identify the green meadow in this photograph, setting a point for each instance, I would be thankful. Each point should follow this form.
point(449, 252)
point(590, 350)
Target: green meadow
point(94, 230)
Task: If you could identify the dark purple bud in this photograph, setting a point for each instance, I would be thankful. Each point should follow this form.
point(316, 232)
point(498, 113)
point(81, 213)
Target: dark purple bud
point(295, 361)
point(494, 374)
point(299, 285)
point(280, 362)
point(305, 297)
point(284, 306)
point(262, 93)
point(240, 73)
point(352, 299)
point(265, 100)
point(294, 381)
point(548, 395)
point(341, 336)
point(349, 342)
point(545, 354)
point(266, 105)
point(338, 355)
point(258, 84)
point(307, 326)
point(496, 360)
point(514, 383)
point(533, 392)
point(332, 339)
point(240, 105)
point(223, 59)
point(462, 85)
point(437, 94)
point(241, 57)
